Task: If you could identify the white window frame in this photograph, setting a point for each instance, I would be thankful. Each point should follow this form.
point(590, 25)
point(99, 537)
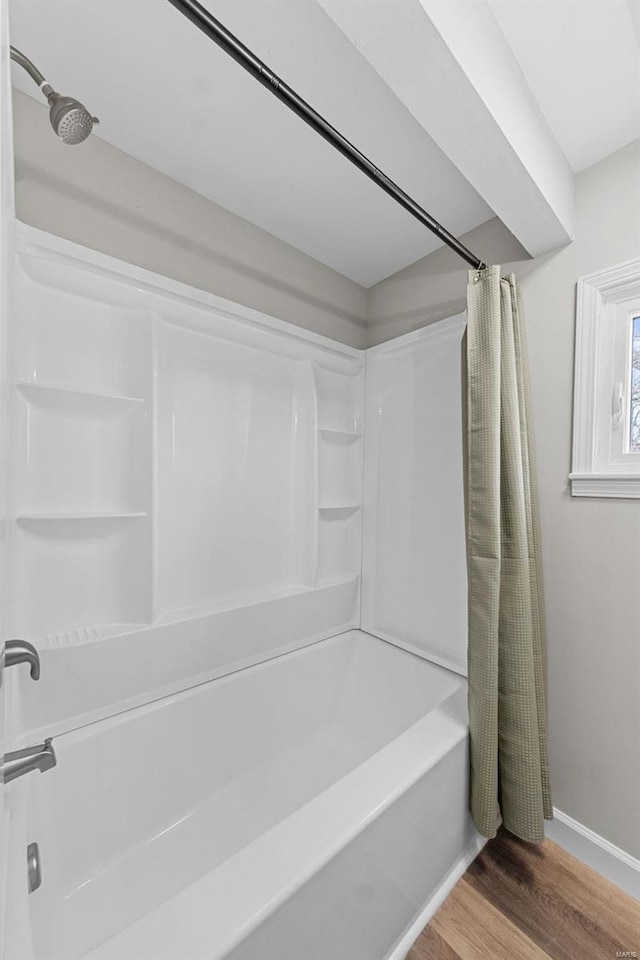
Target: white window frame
point(601, 464)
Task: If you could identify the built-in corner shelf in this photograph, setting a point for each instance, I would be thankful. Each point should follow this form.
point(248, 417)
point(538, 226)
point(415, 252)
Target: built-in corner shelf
point(337, 511)
point(80, 402)
point(339, 436)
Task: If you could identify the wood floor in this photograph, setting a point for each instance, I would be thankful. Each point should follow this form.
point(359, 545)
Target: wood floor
point(518, 901)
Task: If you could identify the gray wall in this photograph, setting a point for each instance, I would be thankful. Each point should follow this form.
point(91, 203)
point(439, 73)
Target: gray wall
point(102, 198)
point(591, 546)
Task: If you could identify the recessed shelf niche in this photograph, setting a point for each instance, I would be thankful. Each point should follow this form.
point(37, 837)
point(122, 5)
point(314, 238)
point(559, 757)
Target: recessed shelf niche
point(81, 484)
point(340, 398)
point(79, 453)
point(339, 401)
point(76, 572)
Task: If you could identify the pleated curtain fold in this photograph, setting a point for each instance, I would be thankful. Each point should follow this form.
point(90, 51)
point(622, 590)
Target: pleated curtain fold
point(506, 658)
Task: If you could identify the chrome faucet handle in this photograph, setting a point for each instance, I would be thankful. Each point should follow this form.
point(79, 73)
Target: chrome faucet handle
point(41, 757)
point(21, 651)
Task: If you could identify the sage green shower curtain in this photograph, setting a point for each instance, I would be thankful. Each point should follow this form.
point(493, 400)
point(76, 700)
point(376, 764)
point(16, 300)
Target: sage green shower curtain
point(507, 668)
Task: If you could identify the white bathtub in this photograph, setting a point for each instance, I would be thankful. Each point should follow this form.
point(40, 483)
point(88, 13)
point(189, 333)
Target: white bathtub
point(307, 808)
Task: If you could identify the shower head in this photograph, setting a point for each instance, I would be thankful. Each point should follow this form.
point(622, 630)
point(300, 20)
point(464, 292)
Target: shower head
point(70, 119)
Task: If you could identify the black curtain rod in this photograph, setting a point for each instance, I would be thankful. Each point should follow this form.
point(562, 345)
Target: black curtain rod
point(217, 32)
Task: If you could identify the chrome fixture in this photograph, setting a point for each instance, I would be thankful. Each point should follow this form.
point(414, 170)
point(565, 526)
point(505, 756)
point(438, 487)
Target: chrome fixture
point(21, 651)
point(41, 757)
point(69, 118)
point(33, 867)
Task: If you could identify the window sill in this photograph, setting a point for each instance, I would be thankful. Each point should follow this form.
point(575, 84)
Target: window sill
point(625, 486)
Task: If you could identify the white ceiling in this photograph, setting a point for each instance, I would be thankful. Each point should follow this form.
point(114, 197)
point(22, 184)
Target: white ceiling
point(581, 59)
point(168, 96)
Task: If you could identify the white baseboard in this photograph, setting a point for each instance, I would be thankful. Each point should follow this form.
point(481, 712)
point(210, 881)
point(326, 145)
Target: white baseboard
point(402, 948)
point(608, 860)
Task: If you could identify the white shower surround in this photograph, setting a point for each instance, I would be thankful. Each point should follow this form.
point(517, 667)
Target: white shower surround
point(193, 470)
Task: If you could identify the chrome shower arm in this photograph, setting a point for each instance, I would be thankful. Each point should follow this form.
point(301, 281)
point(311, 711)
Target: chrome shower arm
point(18, 57)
